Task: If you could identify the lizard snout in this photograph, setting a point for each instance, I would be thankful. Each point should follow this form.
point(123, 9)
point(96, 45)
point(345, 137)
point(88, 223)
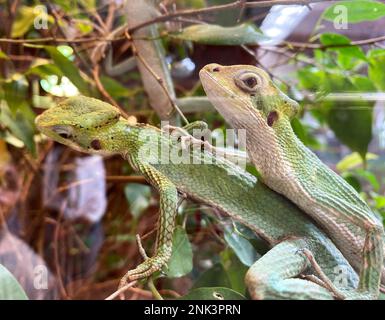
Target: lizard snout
point(212, 67)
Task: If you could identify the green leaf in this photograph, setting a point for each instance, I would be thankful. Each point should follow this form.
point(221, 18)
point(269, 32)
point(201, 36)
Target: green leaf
point(353, 160)
point(23, 22)
point(138, 197)
point(216, 276)
point(216, 293)
point(334, 40)
point(217, 35)
point(180, 262)
point(115, 89)
point(351, 121)
point(241, 246)
point(380, 201)
point(235, 270)
point(43, 70)
point(353, 181)
point(20, 124)
point(352, 124)
point(3, 55)
point(357, 11)
point(310, 78)
point(68, 69)
point(10, 289)
point(15, 92)
point(376, 71)
point(193, 4)
point(84, 26)
point(368, 176)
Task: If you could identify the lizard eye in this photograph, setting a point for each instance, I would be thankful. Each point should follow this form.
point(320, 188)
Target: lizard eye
point(63, 131)
point(248, 81)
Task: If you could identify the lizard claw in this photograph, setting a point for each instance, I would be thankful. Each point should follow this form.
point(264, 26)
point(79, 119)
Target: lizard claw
point(145, 269)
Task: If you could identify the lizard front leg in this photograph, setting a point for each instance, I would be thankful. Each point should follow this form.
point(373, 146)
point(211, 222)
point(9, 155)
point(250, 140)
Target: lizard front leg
point(274, 275)
point(168, 205)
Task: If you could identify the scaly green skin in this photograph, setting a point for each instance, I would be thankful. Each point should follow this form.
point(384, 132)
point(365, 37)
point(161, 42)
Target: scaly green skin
point(248, 99)
point(92, 126)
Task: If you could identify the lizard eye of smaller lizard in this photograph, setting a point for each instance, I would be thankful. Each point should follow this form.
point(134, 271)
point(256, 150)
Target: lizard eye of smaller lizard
point(65, 135)
point(248, 82)
point(63, 131)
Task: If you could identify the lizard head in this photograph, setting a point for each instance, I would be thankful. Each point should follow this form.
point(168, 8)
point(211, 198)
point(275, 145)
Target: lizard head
point(79, 122)
point(242, 91)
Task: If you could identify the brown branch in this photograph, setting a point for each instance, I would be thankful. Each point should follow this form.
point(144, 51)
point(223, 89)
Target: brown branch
point(99, 85)
point(156, 77)
point(121, 290)
point(228, 6)
point(60, 40)
point(305, 45)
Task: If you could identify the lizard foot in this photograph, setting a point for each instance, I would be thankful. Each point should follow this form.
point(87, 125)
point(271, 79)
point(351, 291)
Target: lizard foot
point(328, 284)
point(144, 270)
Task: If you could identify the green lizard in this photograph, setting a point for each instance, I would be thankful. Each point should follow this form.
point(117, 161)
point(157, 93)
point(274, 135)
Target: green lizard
point(92, 126)
point(248, 99)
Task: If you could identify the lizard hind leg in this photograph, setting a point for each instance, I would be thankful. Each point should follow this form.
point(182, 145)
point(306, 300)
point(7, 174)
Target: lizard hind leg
point(273, 276)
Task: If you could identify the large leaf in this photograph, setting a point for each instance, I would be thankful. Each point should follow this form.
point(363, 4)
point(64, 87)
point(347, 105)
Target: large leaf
point(25, 19)
point(235, 270)
point(352, 161)
point(357, 10)
point(219, 35)
point(352, 124)
point(216, 276)
point(341, 44)
point(23, 22)
point(351, 121)
point(180, 262)
point(376, 71)
point(20, 124)
point(3, 55)
point(138, 197)
point(15, 92)
point(215, 293)
point(68, 68)
point(116, 90)
point(241, 246)
point(10, 289)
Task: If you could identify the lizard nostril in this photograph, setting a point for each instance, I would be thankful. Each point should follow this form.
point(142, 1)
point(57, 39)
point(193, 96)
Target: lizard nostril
point(216, 69)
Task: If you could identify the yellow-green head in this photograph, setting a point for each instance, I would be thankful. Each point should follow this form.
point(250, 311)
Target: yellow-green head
point(240, 91)
point(80, 123)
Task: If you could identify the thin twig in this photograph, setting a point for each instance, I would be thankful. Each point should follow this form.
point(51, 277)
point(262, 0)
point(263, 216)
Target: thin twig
point(158, 79)
point(56, 252)
point(99, 85)
point(228, 6)
point(306, 45)
point(121, 290)
point(153, 289)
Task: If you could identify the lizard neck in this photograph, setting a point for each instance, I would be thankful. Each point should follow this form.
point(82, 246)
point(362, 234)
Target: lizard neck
point(124, 138)
point(278, 152)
